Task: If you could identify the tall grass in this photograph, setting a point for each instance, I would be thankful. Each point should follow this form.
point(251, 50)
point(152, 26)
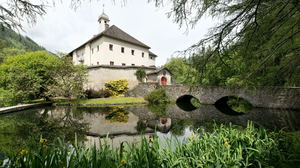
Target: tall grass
point(224, 147)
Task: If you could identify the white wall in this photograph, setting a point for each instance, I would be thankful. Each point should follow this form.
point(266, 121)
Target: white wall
point(104, 56)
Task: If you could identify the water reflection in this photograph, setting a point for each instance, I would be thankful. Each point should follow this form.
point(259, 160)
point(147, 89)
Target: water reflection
point(49, 122)
point(129, 122)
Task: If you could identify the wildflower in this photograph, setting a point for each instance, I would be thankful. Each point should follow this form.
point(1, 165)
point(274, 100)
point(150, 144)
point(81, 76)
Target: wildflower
point(226, 139)
point(226, 144)
point(123, 153)
point(282, 132)
point(45, 146)
point(151, 139)
point(24, 151)
point(192, 137)
point(17, 160)
point(123, 161)
point(192, 133)
point(43, 140)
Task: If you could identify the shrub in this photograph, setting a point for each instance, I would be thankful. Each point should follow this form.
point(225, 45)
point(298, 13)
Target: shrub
point(117, 87)
point(140, 74)
point(158, 96)
point(102, 93)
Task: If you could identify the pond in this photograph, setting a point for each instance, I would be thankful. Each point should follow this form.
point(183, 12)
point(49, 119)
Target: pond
point(127, 123)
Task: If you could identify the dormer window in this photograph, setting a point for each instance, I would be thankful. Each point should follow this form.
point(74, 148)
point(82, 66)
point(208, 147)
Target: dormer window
point(111, 47)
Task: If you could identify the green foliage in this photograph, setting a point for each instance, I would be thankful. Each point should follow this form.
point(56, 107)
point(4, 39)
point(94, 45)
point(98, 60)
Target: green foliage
point(158, 109)
point(254, 44)
point(11, 39)
point(226, 146)
point(239, 104)
point(117, 87)
point(158, 96)
point(39, 75)
point(69, 79)
point(140, 74)
point(195, 102)
point(26, 77)
point(117, 114)
point(182, 72)
point(102, 93)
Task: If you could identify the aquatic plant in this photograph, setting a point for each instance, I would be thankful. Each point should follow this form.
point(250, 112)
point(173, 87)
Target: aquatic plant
point(225, 147)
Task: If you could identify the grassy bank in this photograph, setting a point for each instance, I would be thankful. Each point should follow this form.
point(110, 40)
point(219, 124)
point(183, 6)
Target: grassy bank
point(224, 147)
point(104, 101)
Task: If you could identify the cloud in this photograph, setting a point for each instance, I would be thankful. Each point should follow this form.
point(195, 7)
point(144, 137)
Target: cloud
point(63, 29)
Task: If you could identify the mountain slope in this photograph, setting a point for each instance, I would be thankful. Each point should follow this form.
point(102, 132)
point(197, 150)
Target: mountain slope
point(12, 39)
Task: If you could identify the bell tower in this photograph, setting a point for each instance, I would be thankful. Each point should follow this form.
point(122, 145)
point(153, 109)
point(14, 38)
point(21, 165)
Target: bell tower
point(103, 20)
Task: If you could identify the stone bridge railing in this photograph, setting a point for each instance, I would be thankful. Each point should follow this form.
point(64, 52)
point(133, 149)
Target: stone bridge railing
point(279, 97)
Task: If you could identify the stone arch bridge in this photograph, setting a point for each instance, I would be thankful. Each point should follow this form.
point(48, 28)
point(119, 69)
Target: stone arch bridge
point(279, 97)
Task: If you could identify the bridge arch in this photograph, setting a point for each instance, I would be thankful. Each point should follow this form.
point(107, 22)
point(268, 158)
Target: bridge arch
point(233, 105)
point(184, 103)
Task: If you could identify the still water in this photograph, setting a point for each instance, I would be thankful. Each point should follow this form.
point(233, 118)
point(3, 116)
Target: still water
point(127, 123)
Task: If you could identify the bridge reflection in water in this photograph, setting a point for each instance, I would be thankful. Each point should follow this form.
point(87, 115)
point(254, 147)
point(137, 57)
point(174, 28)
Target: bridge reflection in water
point(135, 120)
point(266, 118)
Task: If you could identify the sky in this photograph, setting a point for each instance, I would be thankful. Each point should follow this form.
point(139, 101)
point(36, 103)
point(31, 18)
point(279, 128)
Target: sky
point(64, 29)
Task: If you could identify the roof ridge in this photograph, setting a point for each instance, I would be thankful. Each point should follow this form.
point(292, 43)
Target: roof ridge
point(122, 35)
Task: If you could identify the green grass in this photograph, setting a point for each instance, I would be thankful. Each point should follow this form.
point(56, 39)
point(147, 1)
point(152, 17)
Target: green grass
point(226, 146)
point(117, 100)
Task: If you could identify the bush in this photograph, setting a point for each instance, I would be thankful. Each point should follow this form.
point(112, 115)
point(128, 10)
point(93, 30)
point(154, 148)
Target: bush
point(102, 93)
point(140, 74)
point(158, 96)
point(117, 87)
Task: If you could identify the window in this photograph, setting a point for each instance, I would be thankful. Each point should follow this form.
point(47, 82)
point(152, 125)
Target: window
point(97, 63)
point(133, 64)
point(111, 63)
point(132, 52)
point(142, 54)
point(150, 57)
point(97, 48)
point(92, 50)
point(123, 64)
point(111, 47)
point(122, 49)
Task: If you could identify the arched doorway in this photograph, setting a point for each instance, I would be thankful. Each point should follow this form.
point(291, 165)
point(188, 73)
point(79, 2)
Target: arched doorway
point(163, 81)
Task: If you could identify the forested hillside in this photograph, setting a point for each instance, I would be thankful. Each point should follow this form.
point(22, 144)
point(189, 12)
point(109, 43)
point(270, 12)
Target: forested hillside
point(12, 43)
point(13, 39)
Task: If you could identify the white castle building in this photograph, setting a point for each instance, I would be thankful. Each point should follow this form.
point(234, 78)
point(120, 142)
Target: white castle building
point(113, 54)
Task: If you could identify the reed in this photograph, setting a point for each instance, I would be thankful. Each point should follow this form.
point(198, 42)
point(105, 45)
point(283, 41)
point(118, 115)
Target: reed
point(226, 146)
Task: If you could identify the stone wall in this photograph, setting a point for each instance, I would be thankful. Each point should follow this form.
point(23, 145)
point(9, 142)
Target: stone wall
point(101, 74)
point(279, 97)
point(141, 90)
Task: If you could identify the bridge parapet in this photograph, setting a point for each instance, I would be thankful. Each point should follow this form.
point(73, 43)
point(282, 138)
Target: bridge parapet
point(280, 97)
